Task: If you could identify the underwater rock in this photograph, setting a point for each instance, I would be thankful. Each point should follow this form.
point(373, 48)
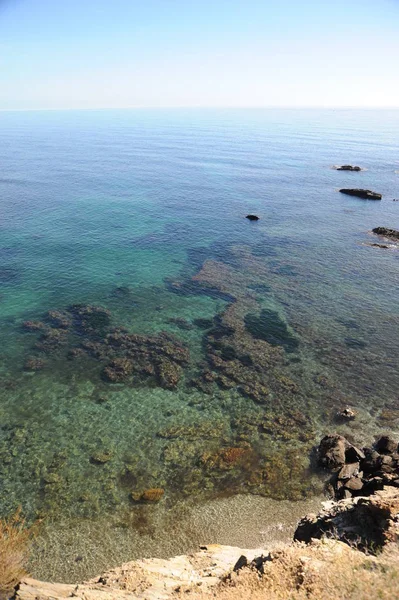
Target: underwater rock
point(269, 326)
point(123, 292)
point(252, 217)
point(76, 353)
point(238, 358)
point(203, 323)
point(359, 193)
point(226, 458)
point(101, 457)
point(59, 319)
point(51, 340)
point(34, 364)
point(118, 370)
point(34, 326)
point(199, 430)
point(85, 332)
point(9, 275)
point(375, 245)
point(348, 168)
point(181, 323)
point(168, 373)
point(151, 495)
point(90, 319)
point(386, 232)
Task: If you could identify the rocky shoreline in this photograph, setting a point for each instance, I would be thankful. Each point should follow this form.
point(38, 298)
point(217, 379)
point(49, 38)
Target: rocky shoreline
point(366, 518)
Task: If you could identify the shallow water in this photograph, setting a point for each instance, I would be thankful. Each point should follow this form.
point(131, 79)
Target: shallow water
point(286, 320)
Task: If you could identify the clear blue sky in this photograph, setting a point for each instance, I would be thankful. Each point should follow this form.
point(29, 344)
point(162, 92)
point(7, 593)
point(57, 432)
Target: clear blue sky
point(119, 53)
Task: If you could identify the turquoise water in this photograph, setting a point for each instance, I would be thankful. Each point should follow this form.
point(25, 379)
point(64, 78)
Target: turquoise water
point(281, 322)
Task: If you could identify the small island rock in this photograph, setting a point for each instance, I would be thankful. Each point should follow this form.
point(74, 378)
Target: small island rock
point(364, 194)
point(348, 168)
point(252, 217)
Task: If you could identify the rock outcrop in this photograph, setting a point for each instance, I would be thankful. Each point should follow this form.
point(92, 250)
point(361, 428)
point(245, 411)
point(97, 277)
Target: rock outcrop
point(370, 522)
point(365, 523)
point(149, 579)
point(359, 472)
point(364, 194)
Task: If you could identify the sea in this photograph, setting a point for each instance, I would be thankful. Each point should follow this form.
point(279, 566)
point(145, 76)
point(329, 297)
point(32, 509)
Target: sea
point(167, 365)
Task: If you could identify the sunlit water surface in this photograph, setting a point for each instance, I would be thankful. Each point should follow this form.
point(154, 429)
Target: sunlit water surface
point(287, 320)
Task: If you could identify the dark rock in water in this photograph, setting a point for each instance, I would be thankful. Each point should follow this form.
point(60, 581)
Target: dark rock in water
point(122, 291)
point(386, 232)
point(59, 319)
point(202, 323)
point(348, 168)
point(51, 340)
point(332, 451)
point(354, 343)
point(9, 275)
point(252, 217)
point(118, 370)
point(181, 323)
point(365, 194)
point(269, 326)
point(34, 326)
point(374, 245)
point(386, 445)
point(34, 364)
point(90, 318)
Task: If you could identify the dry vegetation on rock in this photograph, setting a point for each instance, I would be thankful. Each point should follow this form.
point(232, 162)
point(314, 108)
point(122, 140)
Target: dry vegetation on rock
point(327, 570)
point(14, 543)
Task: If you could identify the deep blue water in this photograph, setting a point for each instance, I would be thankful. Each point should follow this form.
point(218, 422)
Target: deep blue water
point(112, 208)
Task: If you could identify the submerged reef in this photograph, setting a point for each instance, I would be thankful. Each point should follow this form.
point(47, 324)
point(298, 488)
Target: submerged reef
point(233, 414)
point(246, 347)
point(86, 331)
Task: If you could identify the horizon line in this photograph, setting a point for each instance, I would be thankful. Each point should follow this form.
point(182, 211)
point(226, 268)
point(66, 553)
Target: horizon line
point(197, 107)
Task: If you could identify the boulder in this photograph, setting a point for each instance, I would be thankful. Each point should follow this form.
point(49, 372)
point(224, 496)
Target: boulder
point(359, 193)
point(354, 484)
point(371, 462)
point(353, 454)
point(349, 471)
point(332, 451)
point(386, 445)
point(386, 232)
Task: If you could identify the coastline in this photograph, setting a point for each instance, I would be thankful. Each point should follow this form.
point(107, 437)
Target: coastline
point(328, 566)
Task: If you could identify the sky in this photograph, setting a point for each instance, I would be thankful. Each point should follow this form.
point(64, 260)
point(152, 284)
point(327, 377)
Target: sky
point(198, 53)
